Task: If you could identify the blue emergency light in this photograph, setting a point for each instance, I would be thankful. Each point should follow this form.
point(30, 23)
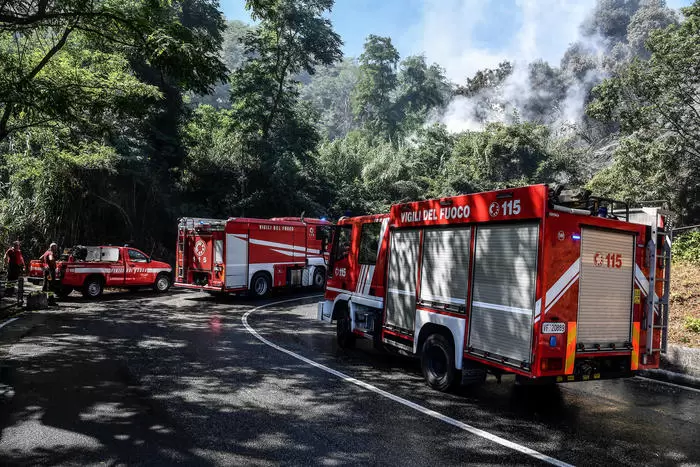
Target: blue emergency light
point(553, 341)
point(576, 237)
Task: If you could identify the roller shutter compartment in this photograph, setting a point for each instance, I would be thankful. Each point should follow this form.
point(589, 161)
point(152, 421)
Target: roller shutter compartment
point(445, 266)
point(236, 261)
point(503, 298)
point(605, 290)
point(401, 288)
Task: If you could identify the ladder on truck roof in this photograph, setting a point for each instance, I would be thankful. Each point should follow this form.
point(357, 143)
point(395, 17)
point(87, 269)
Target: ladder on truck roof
point(191, 223)
point(659, 234)
point(181, 239)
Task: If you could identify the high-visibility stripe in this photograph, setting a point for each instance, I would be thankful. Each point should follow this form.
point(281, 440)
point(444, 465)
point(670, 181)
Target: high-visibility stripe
point(570, 347)
point(563, 284)
point(634, 365)
point(285, 246)
point(408, 293)
point(510, 309)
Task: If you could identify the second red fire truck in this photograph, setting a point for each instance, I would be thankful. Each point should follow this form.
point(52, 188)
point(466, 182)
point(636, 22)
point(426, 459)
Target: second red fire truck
point(551, 285)
point(251, 255)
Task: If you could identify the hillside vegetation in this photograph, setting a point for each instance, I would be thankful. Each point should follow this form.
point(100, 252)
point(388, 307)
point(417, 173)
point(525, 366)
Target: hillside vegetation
point(684, 317)
point(684, 313)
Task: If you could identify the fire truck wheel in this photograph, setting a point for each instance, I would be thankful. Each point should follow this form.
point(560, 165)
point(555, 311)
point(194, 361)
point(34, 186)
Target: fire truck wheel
point(93, 287)
point(162, 283)
point(260, 285)
point(438, 363)
point(319, 278)
point(343, 333)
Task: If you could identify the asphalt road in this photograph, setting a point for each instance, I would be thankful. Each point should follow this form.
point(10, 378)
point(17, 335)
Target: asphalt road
point(181, 379)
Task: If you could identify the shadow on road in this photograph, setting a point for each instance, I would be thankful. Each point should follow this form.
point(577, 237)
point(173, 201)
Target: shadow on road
point(141, 378)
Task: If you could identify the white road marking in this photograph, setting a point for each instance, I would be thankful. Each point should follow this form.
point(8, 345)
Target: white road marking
point(8, 322)
point(431, 413)
point(687, 388)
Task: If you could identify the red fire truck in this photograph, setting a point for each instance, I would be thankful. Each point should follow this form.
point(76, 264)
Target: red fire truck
point(552, 285)
point(251, 255)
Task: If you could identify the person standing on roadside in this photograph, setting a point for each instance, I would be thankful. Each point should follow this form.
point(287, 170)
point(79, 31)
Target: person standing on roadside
point(14, 261)
point(48, 262)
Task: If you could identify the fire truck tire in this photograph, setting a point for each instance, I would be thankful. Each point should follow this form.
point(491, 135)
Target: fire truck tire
point(319, 278)
point(162, 283)
point(343, 333)
point(438, 363)
point(93, 287)
point(260, 285)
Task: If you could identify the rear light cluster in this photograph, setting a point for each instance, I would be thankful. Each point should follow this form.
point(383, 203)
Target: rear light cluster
point(551, 364)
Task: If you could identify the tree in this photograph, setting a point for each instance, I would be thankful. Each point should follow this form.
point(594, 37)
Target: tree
point(372, 99)
point(421, 89)
point(91, 108)
point(39, 37)
point(506, 155)
point(272, 124)
point(656, 103)
point(233, 55)
point(484, 92)
point(485, 79)
point(330, 92)
point(652, 15)
point(547, 89)
point(609, 20)
point(292, 37)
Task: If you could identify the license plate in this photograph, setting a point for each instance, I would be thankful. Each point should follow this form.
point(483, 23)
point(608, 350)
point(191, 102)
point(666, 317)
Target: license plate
point(553, 328)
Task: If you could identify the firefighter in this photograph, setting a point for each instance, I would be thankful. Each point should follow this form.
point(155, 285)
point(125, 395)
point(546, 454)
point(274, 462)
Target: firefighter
point(15, 264)
point(48, 262)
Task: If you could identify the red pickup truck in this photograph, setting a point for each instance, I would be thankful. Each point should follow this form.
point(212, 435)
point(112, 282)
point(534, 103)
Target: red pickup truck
point(93, 268)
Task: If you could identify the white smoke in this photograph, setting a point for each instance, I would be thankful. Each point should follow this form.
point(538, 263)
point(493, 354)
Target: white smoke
point(535, 29)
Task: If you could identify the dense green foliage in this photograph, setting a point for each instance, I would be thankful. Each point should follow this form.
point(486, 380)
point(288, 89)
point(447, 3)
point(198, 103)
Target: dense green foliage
point(118, 117)
point(90, 114)
point(686, 247)
point(657, 104)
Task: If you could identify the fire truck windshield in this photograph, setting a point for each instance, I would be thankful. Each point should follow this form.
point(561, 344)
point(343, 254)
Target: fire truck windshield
point(369, 242)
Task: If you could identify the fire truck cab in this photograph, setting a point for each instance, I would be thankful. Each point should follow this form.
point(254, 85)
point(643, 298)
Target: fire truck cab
point(543, 283)
point(240, 255)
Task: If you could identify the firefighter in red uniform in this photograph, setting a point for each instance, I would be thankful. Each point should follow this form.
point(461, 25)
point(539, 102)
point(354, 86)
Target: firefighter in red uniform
point(48, 261)
point(15, 262)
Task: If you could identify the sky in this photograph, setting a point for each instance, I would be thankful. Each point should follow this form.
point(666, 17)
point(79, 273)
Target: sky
point(463, 36)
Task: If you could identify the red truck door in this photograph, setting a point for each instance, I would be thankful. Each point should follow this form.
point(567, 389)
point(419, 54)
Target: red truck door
point(342, 274)
point(112, 258)
point(137, 270)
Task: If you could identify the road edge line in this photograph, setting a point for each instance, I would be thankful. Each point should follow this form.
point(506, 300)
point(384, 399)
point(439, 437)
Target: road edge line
point(9, 321)
point(419, 408)
point(659, 381)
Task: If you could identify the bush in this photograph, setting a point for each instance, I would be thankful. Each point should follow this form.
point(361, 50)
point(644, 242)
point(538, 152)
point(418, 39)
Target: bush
point(692, 324)
point(687, 247)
